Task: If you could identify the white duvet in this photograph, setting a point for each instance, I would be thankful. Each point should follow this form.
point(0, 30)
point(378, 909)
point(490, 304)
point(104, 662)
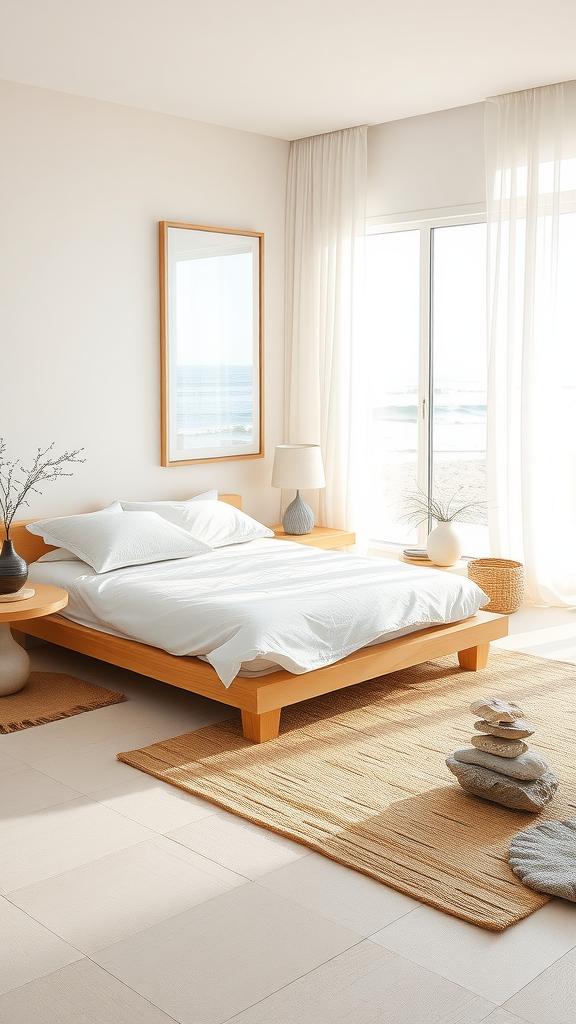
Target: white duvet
point(299, 607)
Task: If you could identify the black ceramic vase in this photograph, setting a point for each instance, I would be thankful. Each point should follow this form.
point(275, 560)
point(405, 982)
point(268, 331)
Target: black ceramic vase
point(13, 569)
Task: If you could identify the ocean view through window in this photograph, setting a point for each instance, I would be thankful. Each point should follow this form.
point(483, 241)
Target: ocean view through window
point(426, 320)
point(393, 314)
point(459, 371)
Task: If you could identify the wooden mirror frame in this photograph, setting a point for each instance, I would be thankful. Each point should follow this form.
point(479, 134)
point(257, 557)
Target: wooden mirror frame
point(165, 343)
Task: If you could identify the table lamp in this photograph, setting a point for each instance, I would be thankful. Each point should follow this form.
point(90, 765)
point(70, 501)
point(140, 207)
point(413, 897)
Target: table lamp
point(298, 466)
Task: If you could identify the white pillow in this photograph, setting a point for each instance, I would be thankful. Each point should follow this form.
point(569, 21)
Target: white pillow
point(175, 512)
point(112, 538)
point(63, 555)
point(59, 555)
point(214, 522)
point(151, 506)
point(218, 524)
point(205, 496)
point(225, 524)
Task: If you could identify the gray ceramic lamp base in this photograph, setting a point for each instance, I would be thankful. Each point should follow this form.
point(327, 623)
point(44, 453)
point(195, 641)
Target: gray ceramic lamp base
point(298, 517)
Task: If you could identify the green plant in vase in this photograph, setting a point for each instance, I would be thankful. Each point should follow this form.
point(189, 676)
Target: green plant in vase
point(16, 484)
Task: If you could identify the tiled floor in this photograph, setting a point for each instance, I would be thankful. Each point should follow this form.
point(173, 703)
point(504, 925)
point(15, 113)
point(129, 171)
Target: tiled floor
point(127, 901)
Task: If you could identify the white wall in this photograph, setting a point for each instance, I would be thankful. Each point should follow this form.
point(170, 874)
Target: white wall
point(427, 162)
point(83, 186)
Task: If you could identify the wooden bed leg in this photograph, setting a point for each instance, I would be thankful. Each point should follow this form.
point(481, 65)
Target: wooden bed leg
point(260, 728)
point(474, 658)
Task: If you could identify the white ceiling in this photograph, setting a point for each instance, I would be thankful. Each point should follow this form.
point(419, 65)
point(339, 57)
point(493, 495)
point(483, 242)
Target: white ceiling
point(288, 68)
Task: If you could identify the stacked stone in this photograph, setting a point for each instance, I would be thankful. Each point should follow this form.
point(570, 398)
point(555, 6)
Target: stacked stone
point(499, 766)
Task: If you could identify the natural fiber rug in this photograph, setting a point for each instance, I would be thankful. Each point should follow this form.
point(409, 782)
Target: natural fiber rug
point(48, 696)
point(359, 776)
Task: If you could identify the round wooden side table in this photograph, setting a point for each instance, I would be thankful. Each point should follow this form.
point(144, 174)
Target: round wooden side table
point(14, 660)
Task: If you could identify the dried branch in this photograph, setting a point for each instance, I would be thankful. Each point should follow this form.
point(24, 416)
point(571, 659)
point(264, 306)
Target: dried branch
point(419, 508)
point(17, 482)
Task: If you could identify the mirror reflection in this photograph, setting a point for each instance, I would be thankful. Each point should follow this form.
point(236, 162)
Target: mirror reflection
point(210, 285)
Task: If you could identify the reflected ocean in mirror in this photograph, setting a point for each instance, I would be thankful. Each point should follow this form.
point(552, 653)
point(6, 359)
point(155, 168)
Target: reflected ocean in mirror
point(214, 403)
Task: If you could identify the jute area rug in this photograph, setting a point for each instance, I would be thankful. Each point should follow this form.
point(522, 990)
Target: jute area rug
point(359, 776)
point(48, 696)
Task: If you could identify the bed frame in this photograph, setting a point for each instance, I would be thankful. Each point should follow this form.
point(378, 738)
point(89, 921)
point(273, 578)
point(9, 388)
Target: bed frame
point(261, 700)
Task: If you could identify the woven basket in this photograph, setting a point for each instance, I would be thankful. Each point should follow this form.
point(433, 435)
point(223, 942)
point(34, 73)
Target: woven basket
point(502, 580)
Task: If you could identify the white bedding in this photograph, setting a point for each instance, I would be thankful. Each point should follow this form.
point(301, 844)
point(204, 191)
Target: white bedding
point(296, 606)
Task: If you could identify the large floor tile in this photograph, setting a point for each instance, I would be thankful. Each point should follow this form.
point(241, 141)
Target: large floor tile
point(153, 803)
point(62, 837)
point(7, 762)
point(225, 955)
point(109, 899)
point(237, 844)
point(177, 711)
point(551, 997)
point(24, 789)
point(79, 994)
point(345, 896)
point(493, 964)
point(531, 618)
point(96, 766)
point(556, 651)
point(27, 949)
point(67, 734)
point(368, 985)
point(501, 1016)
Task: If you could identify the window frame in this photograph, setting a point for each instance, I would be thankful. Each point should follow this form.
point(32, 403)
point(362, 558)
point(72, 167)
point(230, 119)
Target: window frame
point(424, 221)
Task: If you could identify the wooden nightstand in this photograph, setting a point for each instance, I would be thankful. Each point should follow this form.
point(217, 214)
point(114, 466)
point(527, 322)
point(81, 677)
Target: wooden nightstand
point(460, 567)
point(320, 537)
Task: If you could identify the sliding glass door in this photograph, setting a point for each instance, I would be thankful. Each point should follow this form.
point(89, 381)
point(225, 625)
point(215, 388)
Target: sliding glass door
point(393, 323)
point(459, 370)
point(426, 298)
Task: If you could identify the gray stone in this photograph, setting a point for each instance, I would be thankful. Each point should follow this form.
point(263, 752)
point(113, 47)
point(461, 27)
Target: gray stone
point(494, 710)
point(521, 796)
point(507, 730)
point(496, 745)
point(544, 858)
point(527, 767)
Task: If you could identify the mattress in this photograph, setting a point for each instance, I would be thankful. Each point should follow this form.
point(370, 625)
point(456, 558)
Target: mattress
point(267, 604)
point(65, 574)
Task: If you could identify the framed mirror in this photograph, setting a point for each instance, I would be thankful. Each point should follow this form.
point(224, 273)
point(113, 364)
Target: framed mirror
point(211, 343)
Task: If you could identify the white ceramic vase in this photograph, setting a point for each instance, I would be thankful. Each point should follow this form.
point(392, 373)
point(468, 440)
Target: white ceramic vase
point(443, 546)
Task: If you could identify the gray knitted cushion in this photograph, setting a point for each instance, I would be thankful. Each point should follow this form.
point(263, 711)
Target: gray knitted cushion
point(544, 858)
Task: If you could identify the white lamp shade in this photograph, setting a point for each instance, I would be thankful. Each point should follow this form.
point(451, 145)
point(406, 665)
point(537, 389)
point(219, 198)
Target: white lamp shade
point(298, 467)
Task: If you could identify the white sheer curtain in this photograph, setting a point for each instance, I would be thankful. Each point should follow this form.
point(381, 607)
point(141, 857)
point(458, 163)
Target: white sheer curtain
point(531, 458)
point(325, 223)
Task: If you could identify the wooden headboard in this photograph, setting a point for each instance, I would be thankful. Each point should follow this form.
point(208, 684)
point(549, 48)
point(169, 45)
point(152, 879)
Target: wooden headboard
point(30, 547)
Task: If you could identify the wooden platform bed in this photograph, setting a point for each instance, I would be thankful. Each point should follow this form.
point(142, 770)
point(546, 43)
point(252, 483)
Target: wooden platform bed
point(261, 700)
